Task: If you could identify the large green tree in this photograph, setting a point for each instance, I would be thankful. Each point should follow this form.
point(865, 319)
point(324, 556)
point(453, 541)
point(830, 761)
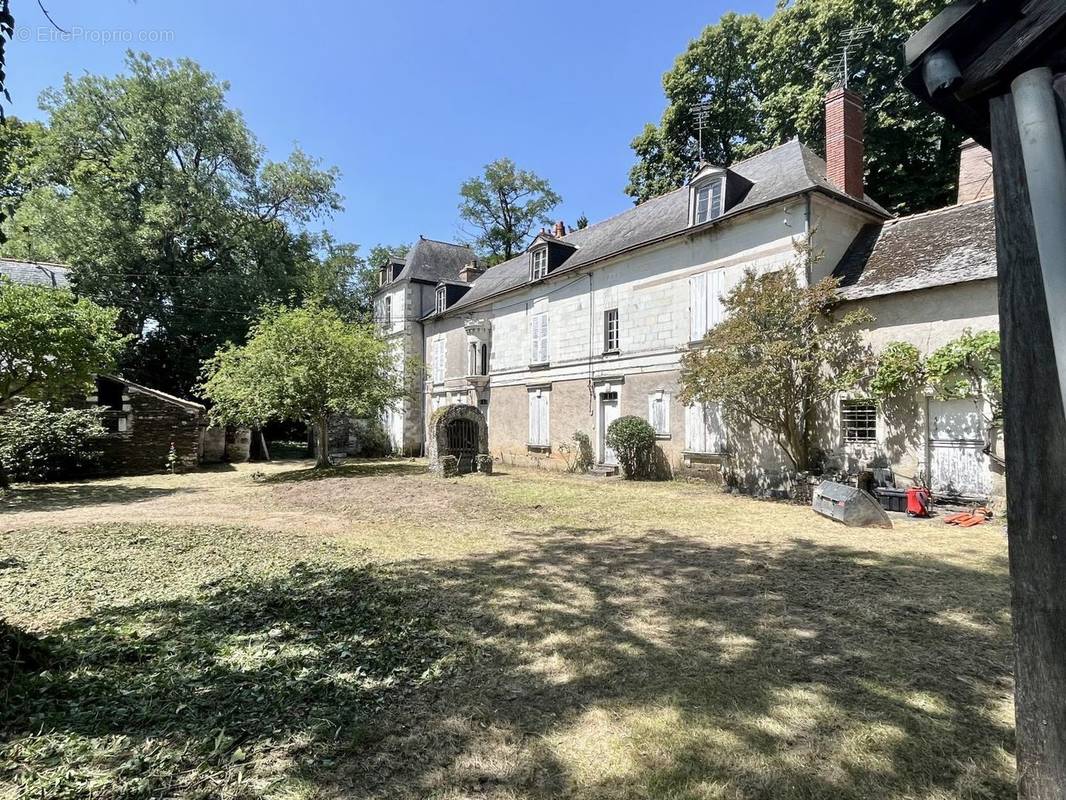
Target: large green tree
point(717, 71)
point(52, 343)
point(19, 159)
point(778, 354)
point(302, 364)
point(780, 70)
point(159, 196)
point(502, 206)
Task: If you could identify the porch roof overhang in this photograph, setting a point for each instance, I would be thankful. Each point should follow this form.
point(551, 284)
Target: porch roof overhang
point(973, 49)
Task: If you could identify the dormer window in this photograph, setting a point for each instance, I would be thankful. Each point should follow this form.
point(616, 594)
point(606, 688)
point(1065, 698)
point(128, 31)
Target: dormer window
point(538, 264)
point(708, 201)
point(442, 299)
point(707, 193)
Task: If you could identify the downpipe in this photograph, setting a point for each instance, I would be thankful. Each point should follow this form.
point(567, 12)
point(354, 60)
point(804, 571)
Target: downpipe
point(1045, 171)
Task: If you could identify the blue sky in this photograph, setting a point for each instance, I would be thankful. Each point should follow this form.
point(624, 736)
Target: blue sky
point(407, 99)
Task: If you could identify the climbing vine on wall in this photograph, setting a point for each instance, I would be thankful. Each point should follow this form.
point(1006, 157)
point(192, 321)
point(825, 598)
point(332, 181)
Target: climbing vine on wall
point(969, 367)
point(966, 367)
point(899, 372)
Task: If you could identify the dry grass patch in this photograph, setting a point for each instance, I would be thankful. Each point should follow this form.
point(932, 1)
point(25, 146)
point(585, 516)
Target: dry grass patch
point(616, 640)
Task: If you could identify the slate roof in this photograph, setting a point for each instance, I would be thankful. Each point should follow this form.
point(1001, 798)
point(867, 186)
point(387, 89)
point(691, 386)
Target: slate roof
point(433, 261)
point(781, 172)
point(938, 248)
point(32, 273)
point(189, 405)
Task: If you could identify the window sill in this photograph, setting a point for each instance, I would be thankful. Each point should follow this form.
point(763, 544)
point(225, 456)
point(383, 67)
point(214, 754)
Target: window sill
point(663, 436)
point(539, 448)
point(611, 352)
point(541, 365)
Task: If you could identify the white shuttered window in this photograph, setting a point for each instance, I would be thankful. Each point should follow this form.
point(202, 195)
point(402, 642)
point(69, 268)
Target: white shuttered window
point(704, 428)
point(705, 302)
point(438, 360)
point(659, 412)
point(538, 332)
point(538, 417)
point(697, 304)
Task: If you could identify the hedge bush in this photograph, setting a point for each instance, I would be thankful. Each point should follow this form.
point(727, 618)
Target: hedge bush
point(633, 441)
point(39, 443)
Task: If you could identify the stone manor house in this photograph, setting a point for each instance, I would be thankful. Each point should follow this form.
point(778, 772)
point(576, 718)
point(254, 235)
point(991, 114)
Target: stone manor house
point(590, 324)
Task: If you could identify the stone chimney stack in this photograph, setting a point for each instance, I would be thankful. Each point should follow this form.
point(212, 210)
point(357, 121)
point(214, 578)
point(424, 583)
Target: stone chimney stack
point(560, 229)
point(844, 119)
point(470, 271)
point(975, 172)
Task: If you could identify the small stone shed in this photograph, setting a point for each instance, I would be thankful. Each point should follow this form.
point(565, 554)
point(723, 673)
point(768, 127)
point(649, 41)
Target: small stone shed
point(461, 432)
point(141, 424)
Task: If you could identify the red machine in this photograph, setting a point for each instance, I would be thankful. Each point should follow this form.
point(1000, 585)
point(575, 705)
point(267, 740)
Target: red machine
point(918, 501)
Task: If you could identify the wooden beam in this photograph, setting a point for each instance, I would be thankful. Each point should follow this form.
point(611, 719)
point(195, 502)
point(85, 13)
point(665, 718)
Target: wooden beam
point(1035, 435)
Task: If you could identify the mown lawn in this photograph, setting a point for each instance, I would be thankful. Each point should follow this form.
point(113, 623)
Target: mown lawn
point(374, 632)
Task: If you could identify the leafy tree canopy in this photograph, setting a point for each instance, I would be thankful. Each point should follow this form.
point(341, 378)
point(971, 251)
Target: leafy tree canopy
point(778, 354)
point(765, 80)
point(302, 364)
point(503, 206)
point(19, 150)
point(157, 194)
point(51, 343)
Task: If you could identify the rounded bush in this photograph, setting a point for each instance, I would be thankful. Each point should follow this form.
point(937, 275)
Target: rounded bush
point(633, 441)
point(38, 443)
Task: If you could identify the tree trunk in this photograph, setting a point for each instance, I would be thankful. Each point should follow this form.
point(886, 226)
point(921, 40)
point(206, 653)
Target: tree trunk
point(322, 424)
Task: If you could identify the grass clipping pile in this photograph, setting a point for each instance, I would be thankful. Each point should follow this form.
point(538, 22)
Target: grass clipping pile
point(200, 662)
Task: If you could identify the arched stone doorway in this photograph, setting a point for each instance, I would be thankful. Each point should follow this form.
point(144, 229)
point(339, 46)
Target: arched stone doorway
point(460, 431)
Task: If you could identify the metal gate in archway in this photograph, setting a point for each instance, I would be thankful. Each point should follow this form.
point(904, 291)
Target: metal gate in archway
point(462, 436)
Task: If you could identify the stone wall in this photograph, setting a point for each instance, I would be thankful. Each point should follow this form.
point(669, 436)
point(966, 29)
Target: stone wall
point(151, 424)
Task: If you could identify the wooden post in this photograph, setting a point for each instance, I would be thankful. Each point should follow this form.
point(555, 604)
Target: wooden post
point(1035, 435)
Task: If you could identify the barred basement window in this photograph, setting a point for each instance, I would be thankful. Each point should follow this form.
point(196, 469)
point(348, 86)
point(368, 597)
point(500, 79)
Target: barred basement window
point(858, 419)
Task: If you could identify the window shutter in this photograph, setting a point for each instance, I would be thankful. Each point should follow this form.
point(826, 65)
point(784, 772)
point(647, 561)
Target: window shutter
point(657, 412)
point(544, 430)
point(538, 338)
point(714, 425)
point(534, 339)
point(538, 417)
point(695, 431)
point(697, 292)
point(534, 426)
point(438, 367)
point(715, 311)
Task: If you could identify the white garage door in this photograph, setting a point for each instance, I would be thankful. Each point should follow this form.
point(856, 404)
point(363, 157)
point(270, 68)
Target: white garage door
point(958, 464)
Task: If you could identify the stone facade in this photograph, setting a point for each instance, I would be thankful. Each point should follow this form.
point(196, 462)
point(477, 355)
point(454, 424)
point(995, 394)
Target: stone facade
point(441, 451)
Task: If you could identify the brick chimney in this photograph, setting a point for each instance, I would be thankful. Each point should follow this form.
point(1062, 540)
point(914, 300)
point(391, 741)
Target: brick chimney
point(470, 271)
point(975, 172)
point(560, 229)
point(843, 140)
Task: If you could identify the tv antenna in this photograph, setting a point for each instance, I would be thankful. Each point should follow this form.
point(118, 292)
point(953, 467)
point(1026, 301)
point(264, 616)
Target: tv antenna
point(701, 112)
point(849, 38)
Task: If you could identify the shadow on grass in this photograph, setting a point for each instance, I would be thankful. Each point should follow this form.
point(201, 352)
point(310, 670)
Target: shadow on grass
point(253, 683)
point(52, 497)
point(662, 666)
point(360, 469)
point(593, 666)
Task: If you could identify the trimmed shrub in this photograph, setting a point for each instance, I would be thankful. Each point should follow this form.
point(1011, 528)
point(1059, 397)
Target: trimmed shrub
point(38, 443)
point(633, 441)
